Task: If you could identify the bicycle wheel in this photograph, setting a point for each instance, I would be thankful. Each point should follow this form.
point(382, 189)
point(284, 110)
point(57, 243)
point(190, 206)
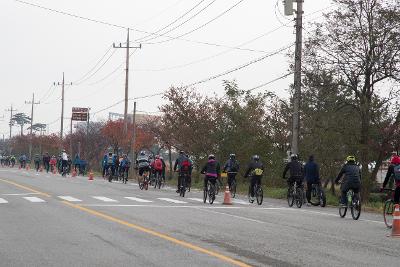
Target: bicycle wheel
point(290, 197)
point(259, 195)
point(233, 189)
point(205, 195)
point(356, 208)
point(299, 197)
point(388, 209)
point(211, 194)
point(146, 184)
point(342, 210)
point(322, 200)
point(251, 199)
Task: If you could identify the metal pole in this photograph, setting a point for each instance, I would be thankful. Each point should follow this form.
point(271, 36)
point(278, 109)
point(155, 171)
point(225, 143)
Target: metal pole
point(297, 78)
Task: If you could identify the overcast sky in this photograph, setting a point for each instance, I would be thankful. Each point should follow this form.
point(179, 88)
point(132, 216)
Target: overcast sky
point(38, 45)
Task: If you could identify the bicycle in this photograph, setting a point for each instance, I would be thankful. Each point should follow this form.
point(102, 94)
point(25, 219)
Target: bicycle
point(258, 193)
point(145, 183)
point(388, 210)
point(318, 197)
point(232, 187)
point(209, 192)
point(158, 180)
point(183, 185)
point(109, 173)
point(354, 203)
point(295, 194)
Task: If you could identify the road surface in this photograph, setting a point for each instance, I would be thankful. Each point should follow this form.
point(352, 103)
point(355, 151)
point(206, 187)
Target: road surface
point(49, 220)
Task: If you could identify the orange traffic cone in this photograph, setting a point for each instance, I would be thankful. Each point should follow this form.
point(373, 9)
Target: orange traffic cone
point(73, 173)
point(227, 197)
point(90, 175)
point(396, 222)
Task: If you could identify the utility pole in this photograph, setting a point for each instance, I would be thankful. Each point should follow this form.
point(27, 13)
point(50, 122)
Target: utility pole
point(33, 103)
point(11, 115)
point(297, 70)
point(134, 131)
point(62, 105)
point(126, 78)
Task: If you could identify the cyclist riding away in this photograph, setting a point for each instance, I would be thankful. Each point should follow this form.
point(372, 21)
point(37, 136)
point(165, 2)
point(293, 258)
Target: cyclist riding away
point(143, 163)
point(110, 165)
point(64, 162)
point(183, 166)
point(394, 170)
point(157, 165)
point(231, 167)
point(37, 162)
point(255, 170)
point(352, 178)
point(296, 171)
point(311, 173)
point(212, 171)
point(46, 161)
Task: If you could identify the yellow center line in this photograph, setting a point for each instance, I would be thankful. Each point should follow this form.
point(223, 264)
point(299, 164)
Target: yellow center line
point(25, 187)
point(157, 234)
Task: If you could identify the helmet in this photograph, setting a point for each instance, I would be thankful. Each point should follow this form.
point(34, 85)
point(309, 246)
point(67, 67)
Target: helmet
point(294, 157)
point(232, 156)
point(211, 156)
point(110, 153)
point(157, 156)
point(181, 152)
point(161, 158)
point(256, 157)
point(351, 158)
point(395, 160)
point(142, 153)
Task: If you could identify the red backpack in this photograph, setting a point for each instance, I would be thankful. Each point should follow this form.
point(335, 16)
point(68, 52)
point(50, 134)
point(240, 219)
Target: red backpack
point(158, 166)
point(185, 166)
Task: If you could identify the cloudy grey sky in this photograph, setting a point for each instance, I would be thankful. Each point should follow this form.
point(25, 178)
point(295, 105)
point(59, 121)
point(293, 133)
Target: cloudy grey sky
point(38, 45)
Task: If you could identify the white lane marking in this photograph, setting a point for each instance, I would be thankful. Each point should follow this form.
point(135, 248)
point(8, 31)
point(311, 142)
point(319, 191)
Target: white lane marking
point(70, 199)
point(2, 201)
point(160, 206)
point(34, 199)
point(105, 199)
point(172, 200)
point(239, 201)
point(21, 194)
point(196, 199)
point(231, 215)
point(139, 199)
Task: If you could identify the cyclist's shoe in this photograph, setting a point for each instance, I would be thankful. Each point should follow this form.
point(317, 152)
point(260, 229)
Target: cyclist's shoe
point(177, 191)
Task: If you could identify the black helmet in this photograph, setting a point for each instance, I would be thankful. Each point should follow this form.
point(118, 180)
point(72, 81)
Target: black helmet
point(256, 157)
point(232, 156)
point(211, 156)
point(294, 157)
point(181, 152)
point(142, 153)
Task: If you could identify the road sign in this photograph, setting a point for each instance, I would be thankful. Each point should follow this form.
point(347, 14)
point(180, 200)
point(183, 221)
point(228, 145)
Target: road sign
point(80, 110)
point(79, 114)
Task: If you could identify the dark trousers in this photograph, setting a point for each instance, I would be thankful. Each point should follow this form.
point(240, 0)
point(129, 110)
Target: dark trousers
point(182, 177)
point(231, 177)
point(37, 165)
point(309, 188)
point(47, 166)
point(346, 187)
point(212, 180)
point(397, 195)
point(253, 181)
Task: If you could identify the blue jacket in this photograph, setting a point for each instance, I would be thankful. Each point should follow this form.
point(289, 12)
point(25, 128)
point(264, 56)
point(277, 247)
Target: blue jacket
point(311, 171)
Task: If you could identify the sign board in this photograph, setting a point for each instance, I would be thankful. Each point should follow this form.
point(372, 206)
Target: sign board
point(79, 114)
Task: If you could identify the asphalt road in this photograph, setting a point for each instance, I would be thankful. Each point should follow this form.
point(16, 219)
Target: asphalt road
point(48, 220)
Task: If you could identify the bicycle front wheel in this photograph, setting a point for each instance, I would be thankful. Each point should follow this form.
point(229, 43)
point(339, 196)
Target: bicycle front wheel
point(290, 197)
point(259, 195)
point(299, 197)
point(388, 209)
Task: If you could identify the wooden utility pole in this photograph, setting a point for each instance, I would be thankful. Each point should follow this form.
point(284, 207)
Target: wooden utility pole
point(11, 110)
point(297, 71)
point(62, 105)
point(33, 103)
point(134, 131)
point(126, 78)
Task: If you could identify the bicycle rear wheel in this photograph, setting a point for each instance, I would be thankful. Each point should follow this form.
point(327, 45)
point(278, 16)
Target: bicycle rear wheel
point(388, 209)
point(322, 197)
point(233, 189)
point(299, 197)
point(290, 197)
point(356, 209)
point(211, 194)
point(205, 195)
point(259, 195)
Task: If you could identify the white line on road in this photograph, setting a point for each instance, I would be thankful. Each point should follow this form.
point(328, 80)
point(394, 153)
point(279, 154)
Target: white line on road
point(196, 199)
point(21, 194)
point(231, 215)
point(105, 199)
point(2, 201)
point(160, 206)
point(172, 200)
point(239, 201)
point(70, 199)
point(34, 199)
point(139, 199)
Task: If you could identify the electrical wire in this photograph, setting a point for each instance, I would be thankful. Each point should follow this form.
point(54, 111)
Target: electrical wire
point(159, 13)
point(269, 82)
point(199, 27)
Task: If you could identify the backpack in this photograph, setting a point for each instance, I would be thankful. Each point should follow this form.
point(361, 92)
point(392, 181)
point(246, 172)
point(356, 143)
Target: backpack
point(396, 171)
point(185, 165)
point(158, 166)
point(234, 167)
point(110, 160)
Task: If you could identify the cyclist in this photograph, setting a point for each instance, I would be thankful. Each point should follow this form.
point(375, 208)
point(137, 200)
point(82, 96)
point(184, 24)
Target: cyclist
point(77, 162)
point(394, 170)
point(125, 165)
point(110, 165)
point(64, 162)
point(232, 168)
point(212, 171)
point(311, 173)
point(143, 163)
point(46, 161)
point(183, 166)
point(22, 161)
point(255, 170)
point(163, 170)
point(53, 162)
point(157, 166)
point(296, 171)
point(12, 161)
point(352, 179)
point(37, 162)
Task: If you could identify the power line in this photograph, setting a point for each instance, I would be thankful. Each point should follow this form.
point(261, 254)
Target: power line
point(269, 82)
point(159, 13)
point(199, 27)
point(173, 22)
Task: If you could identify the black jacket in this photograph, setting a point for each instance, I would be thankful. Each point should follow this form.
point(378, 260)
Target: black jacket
point(311, 172)
point(389, 174)
point(212, 169)
point(352, 173)
point(252, 166)
point(232, 165)
point(295, 168)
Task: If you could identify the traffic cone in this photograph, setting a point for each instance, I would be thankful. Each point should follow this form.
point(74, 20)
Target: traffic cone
point(28, 167)
point(227, 197)
point(41, 169)
point(73, 173)
point(396, 222)
point(90, 175)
